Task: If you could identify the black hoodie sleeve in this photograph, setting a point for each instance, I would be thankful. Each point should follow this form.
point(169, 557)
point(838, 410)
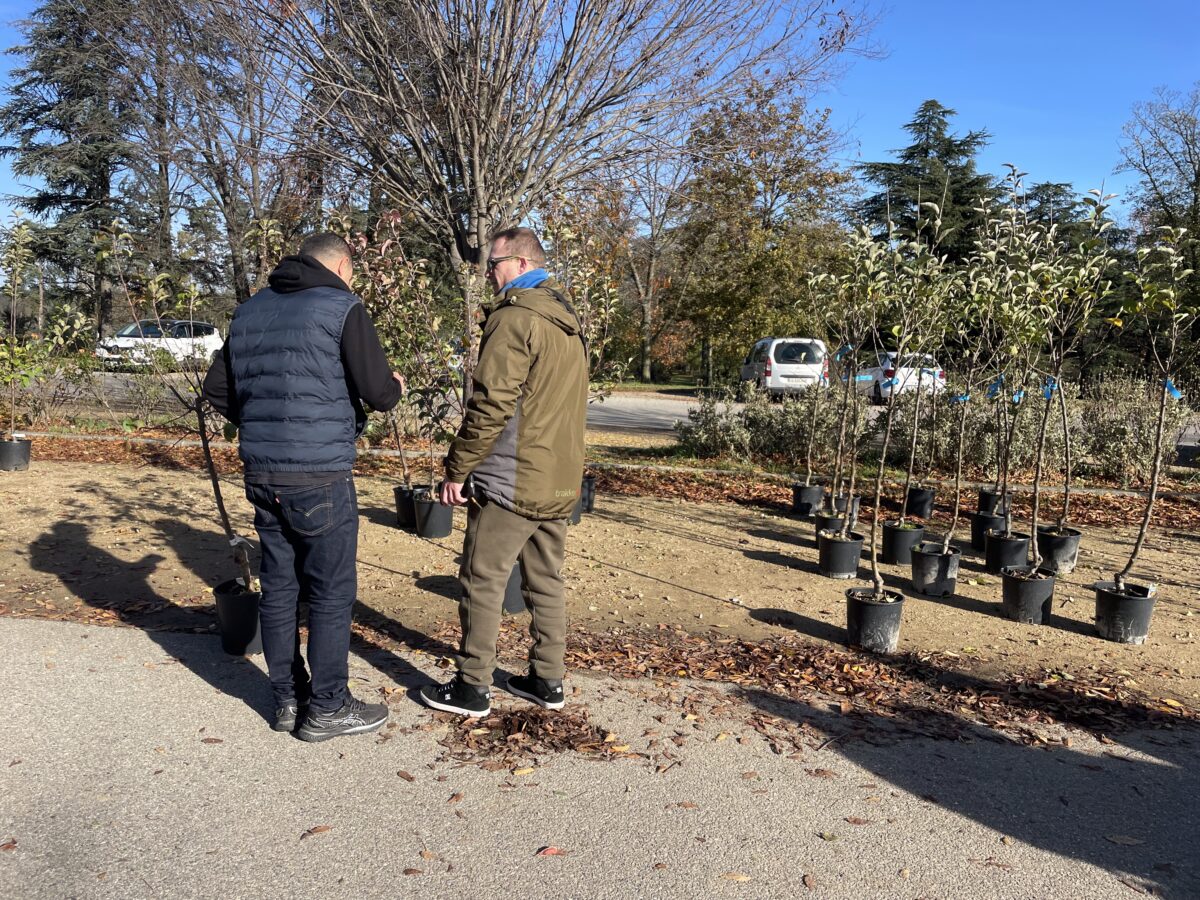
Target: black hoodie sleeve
point(218, 387)
point(366, 365)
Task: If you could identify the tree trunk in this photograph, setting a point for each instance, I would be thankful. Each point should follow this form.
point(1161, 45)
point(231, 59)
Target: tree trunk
point(876, 577)
point(912, 450)
point(241, 557)
point(1155, 472)
point(812, 434)
point(1035, 557)
point(1066, 508)
point(958, 467)
point(647, 335)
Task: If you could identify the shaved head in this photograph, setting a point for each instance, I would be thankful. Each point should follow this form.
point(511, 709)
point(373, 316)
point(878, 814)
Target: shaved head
point(327, 248)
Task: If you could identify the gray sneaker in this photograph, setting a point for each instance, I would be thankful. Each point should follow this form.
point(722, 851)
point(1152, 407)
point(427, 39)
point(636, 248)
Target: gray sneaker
point(355, 717)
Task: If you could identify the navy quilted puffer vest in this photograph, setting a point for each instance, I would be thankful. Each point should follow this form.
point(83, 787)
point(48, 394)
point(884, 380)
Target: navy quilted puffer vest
point(296, 411)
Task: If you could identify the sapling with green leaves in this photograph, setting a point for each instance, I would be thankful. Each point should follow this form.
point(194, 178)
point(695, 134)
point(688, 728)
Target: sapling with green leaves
point(1075, 282)
point(972, 303)
point(1162, 302)
point(21, 359)
point(909, 284)
point(1015, 250)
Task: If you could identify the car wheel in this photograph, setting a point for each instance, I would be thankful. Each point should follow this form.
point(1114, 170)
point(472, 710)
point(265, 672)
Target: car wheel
point(878, 395)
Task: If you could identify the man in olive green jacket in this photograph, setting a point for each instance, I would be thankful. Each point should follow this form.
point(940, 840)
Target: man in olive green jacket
point(518, 462)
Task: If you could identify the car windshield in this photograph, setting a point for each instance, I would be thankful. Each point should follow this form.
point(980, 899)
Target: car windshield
point(796, 353)
point(145, 328)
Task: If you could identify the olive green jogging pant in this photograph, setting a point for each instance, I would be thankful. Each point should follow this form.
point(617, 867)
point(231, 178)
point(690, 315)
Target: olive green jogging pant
point(496, 540)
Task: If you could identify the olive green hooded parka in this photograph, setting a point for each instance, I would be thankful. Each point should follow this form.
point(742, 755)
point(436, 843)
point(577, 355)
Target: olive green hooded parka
point(521, 440)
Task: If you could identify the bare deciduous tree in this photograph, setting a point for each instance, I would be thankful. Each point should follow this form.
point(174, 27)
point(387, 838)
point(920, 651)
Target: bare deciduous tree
point(469, 113)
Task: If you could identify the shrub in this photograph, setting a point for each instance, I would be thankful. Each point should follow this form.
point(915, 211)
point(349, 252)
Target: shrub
point(714, 428)
point(1118, 420)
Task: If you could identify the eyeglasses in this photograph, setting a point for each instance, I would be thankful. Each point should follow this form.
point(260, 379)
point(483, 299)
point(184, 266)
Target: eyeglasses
point(496, 260)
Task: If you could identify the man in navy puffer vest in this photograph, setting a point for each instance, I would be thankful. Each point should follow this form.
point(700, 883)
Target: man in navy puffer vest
point(301, 359)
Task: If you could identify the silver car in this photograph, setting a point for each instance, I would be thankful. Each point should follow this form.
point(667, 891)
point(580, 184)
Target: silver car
point(786, 365)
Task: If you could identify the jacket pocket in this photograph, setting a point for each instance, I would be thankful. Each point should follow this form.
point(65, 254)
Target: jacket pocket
point(308, 511)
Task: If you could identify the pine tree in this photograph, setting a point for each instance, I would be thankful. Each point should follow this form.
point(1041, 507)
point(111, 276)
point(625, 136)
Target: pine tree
point(937, 167)
point(63, 118)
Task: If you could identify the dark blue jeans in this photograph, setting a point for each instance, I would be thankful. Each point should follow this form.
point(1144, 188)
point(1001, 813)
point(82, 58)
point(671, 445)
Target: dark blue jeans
point(309, 539)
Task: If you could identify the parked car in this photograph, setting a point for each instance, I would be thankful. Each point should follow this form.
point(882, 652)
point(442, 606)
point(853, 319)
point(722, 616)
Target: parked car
point(185, 341)
point(786, 365)
point(882, 377)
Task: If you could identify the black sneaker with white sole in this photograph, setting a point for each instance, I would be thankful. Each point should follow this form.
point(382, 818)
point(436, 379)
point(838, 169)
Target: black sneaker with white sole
point(355, 717)
point(545, 693)
point(288, 714)
point(457, 696)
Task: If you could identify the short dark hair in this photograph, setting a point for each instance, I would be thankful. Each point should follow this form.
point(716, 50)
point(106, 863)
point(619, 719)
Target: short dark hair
point(522, 242)
point(325, 246)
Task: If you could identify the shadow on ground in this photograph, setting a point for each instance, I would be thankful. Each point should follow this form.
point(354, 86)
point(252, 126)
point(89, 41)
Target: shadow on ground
point(1132, 816)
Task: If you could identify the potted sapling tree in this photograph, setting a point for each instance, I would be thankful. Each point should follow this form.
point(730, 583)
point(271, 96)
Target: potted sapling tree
point(1123, 607)
point(20, 361)
point(971, 305)
point(1069, 286)
point(858, 291)
point(1088, 284)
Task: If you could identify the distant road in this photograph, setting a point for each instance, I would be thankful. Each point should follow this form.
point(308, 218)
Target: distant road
point(638, 415)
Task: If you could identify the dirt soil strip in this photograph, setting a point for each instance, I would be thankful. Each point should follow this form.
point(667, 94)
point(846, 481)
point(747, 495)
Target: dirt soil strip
point(1087, 509)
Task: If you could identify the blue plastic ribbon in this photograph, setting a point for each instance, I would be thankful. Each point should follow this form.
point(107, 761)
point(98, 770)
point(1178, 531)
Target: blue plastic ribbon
point(891, 382)
point(1175, 392)
point(960, 398)
point(864, 377)
point(1049, 387)
point(993, 390)
point(1018, 397)
point(842, 351)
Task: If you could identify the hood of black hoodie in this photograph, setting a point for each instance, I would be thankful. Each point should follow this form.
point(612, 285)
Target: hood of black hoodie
point(301, 272)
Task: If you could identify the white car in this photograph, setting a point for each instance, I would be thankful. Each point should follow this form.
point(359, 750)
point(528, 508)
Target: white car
point(186, 342)
point(881, 380)
point(786, 365)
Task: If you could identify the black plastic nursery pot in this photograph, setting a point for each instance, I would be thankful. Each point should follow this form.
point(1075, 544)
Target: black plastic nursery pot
point(587, 494)
point(838, 558)
point(1124, 615)
point(806, 498)
point(514, 592)
point(432, 519)
point(576, 515)
point(981, 524)
point(827, 521)
point(406, 514)
point(1059, 550)
point(898, 542)
point(873, 623)
point(1027, 594)
point(839, 504)
point(934, 573)
point(919, 502)
point(14, 455)
point(989, 501)
point(237, 615)
point(1000, 552)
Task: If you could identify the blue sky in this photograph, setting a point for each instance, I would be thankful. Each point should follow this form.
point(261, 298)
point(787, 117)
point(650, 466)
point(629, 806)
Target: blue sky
point(1053, 81)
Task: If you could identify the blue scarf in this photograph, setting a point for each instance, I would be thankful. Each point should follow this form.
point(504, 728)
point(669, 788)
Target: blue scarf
point(532, 278)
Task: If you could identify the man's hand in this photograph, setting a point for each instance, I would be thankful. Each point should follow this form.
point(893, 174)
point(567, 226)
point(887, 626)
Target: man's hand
point(403, 384)
point(452, 494)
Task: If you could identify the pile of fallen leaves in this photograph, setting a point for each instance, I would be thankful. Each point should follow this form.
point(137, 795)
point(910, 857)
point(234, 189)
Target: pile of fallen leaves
point(511, 737)
point(906, 692)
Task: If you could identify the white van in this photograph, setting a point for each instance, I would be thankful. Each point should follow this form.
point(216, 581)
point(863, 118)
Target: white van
point(786, 365)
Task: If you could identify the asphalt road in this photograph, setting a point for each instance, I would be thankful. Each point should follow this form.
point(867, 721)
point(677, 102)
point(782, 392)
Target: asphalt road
point(140, 764)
